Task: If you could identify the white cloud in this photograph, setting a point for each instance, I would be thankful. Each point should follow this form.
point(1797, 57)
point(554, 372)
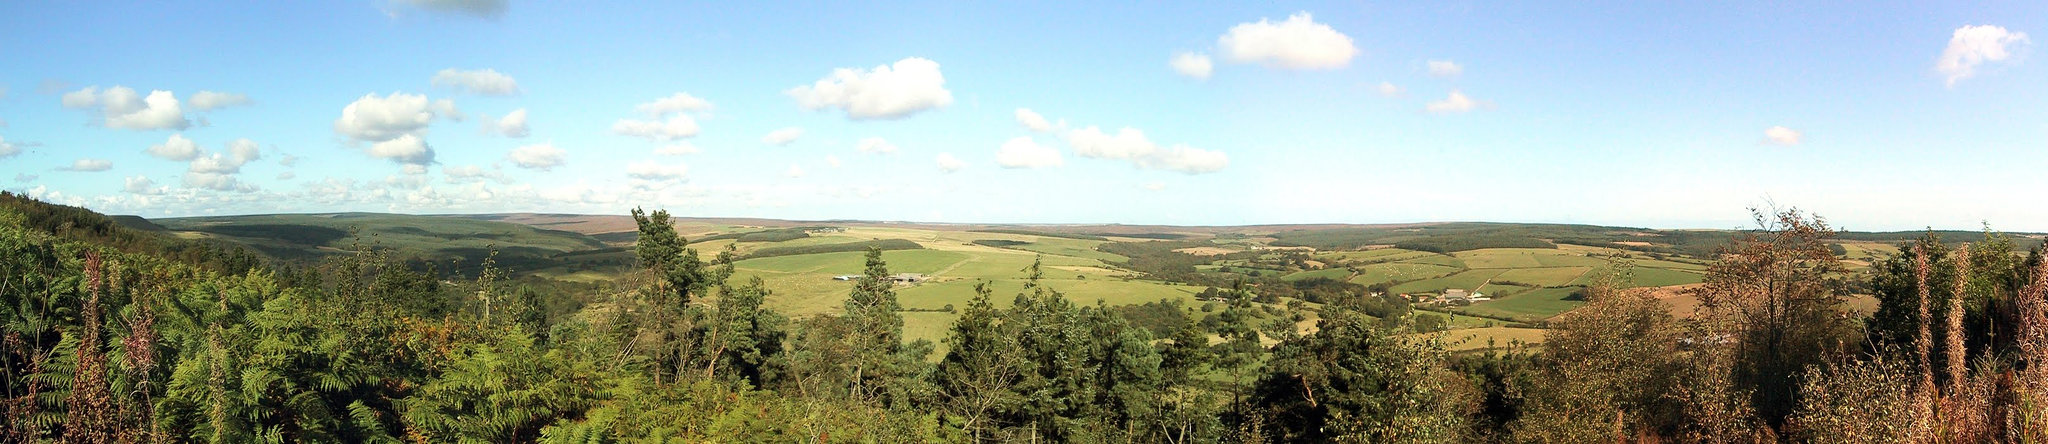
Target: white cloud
point(1031, 120)
point(141, 185)
point(681, 102)
point(406, 149)
point(651, 170)
point(1457, 102)
point(177, 148)
point(1389, 90)
point(1974, 45)
point(288, 160)
point(885, 92)
point(121, 107)
point(676, 127)
point(470, 173)
point(25, 177)
point(1191, 64)
point(875, 145)
point(245, 150)
point(948, 163)
point(832, 160)
point(783, 136)
point(1155, 186)
point(1298, 43)
point(1779, 135)
point(446, 109)
point(538, 157)
point(209, 100)
point(513, 124)
point(1131, 144)
point(1186, 159)
point(794, 171)
point(8, 149)
point(216, 182)
point(89, 165)
point(1445, 68)
point(678, 149)
point(479, 8)
point(1128, 143)
point(1022, 152)
point(287, 175)
point(482, 81)
point(382, 119)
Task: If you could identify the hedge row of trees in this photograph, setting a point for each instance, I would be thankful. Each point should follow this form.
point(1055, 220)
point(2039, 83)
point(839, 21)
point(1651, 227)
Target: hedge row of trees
point(106, 345)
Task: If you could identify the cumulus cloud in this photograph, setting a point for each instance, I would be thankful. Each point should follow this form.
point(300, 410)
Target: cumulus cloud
point(783, 136)
point(141, 185)
point(470, 173)
point(512, 125)
point(651, 170)
point(209, 100)
point(177, 148)
point(89, 165)
point(1155, 186)
point(1196, 65)
point(1022, 152)
point(393, 124)
point(1445, 68)
point(832, 160)
point(490, 9)
point(1457, 102)
point(678, 149)
point(893, 91)
point(122, 107)
point(538, 157)
point(1971, 46)
point(216, 182)
point(681, 102)
point(1185, 159)
point(1297, 43)
point(406, 149)
point(25, 177)
point(1131, 144)
point(875, 145)
point(676, 127)
point(948, 163)
point(8, 149)
point(1779, 135)
point(794, 171)
point(1032, 121)
point(1388, 89)
point(487, 82)
point(240, 152)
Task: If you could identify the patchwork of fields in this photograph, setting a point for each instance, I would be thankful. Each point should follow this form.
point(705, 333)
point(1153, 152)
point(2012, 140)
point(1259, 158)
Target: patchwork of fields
point(798, 260)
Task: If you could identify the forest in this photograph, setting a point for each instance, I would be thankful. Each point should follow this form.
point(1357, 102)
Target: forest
point(118, 335)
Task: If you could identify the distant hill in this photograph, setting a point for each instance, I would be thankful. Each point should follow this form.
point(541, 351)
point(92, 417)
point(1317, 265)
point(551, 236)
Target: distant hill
point(310, 237)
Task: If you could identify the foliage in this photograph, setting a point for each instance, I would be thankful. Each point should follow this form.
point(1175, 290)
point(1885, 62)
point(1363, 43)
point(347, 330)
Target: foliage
point(883, 245)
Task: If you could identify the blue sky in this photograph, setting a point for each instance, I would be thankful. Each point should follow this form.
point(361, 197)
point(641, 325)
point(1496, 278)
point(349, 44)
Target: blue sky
point(1879, 116)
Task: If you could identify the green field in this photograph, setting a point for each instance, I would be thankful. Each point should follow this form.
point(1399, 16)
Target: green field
point(1395, 272)
point(1468, 279)
point(1327, 273)
point(1531, 305)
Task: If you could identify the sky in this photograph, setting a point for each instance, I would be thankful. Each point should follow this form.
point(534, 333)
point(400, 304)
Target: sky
point(1874, 115)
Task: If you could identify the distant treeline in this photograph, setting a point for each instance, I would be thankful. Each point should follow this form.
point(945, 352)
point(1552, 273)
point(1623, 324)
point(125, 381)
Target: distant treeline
point(1041, 233)
point(884, 244)
point(771, 235)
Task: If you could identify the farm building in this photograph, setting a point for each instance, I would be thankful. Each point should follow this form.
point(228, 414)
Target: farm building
point(1457, 294)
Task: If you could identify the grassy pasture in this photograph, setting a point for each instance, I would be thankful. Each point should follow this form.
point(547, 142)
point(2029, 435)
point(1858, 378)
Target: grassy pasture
point(1328, 273)
point(1391, 272)
point(1468, 279)
point(1547, 277)
point(1532, 305)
